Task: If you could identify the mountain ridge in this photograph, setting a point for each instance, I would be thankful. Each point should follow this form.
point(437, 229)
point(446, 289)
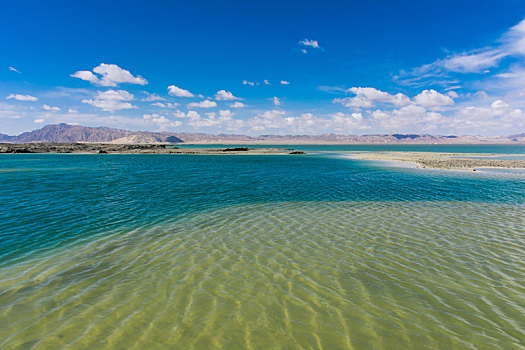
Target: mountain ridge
point(66, 133)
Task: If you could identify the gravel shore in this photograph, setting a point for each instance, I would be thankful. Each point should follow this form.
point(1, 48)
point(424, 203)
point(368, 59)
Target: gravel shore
point(449, 161)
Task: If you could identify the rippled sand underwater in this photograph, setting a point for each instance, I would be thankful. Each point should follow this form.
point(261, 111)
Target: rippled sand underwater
point(282, 275)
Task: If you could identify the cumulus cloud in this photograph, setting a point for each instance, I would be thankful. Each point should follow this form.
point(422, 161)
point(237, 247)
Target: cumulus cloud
point(223, 95)
point(411, 118)
point(276, 101)
point(13, 69)
point(266, 82)
point(19, 97)
point(237, 105)
point(367, 97)
point(111, 100)
point(284, 82)
point(177, 91)
point(202, 104)
point(50, 108)
point(39, 120)
point(109, 75)
point(246, 82)
point(497, 117)
point(432, 98)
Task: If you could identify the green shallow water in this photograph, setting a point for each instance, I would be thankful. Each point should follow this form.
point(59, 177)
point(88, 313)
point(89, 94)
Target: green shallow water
point(282, 275)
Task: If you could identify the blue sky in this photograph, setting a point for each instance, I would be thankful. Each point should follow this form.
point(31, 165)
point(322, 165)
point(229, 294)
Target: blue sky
point(272, 67)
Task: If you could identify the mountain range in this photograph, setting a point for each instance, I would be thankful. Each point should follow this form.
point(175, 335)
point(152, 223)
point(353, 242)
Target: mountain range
point(76, 133)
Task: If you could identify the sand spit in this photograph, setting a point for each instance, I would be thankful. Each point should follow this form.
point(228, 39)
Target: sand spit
point(449, 161)
point(106, 148)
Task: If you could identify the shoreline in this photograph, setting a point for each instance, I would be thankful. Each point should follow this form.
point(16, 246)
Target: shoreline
point(444, 161)
point(108, 148)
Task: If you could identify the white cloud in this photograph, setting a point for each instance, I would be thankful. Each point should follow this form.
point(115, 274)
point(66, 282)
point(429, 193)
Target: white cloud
point(13, 69)
point(309, 43)
point(111, 100)
point(50, 108)
point(452, 94)
point(223, 95)
point(71, 110)
point(19, 97)
point(152, 97)
point(39, 120)
point(202, 104)
point(110, 75)
point(432, 98)
point(511, 43)
point(276, 101)
point(197, 121)
point(266, 82)
point(245, 82)
point(284, 82)
point(160, 121)
point(472, 62)
point(237, 105)
point(177, 91)
point(165, 104)
point(366, 97)
point(498, 117)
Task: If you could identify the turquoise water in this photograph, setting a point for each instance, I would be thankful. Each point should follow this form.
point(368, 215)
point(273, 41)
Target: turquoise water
point(317, 251)
point(482, 148)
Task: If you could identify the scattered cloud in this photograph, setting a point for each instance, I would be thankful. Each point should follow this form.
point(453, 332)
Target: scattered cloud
point(50, 108)
point(276, 101)
point(111, 100)
point(477, 61)
point(160, 121)
point(309, 43)
point(246, 82)
point(266, 82)
point(202, 104)
point(237, 105)
point(152, 97)
point(109, 75)
point(165, 104)
point(284, 82)
point(72, 110)
point(223, 95)
point(177, 91)
point(39, 121)
point(19, 97)
point(13, 69)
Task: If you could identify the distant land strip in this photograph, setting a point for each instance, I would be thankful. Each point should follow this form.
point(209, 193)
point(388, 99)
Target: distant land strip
point(111, 148)
point(65, 133)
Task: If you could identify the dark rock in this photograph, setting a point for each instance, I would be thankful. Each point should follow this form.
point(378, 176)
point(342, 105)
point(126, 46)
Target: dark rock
point(236, 149)
point(297, 152)
point(101, 151)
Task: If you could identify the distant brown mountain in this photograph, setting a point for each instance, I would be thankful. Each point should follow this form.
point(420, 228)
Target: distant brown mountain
point(77, 133)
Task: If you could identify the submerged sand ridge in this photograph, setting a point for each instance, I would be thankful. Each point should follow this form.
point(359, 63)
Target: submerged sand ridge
point(449, 161)
point(106, 148)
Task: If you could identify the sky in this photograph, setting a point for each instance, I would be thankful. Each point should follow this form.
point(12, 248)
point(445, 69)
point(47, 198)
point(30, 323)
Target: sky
point(265, 67)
